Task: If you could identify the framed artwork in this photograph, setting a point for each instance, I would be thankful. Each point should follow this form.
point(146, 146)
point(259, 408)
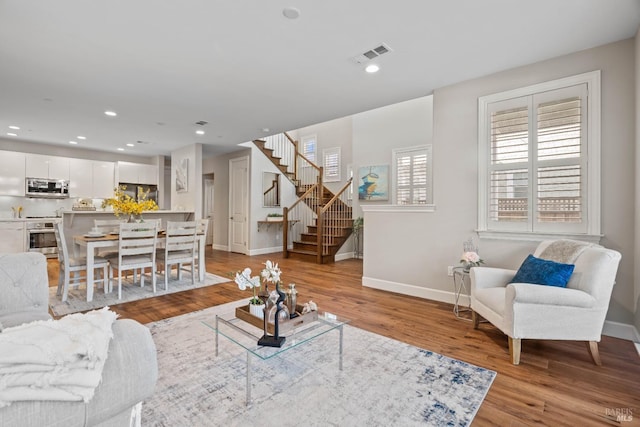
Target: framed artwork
point(373, 183)
point(182, 174)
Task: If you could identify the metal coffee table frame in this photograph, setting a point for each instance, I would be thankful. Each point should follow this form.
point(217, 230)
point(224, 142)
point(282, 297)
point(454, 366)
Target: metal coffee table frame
point(246, 336)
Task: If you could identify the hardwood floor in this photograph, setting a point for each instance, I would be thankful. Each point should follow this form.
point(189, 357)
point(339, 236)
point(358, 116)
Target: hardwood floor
point(556, 383)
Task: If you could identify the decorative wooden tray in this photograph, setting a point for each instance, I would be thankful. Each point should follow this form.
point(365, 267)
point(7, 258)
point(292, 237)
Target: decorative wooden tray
point(243, 313)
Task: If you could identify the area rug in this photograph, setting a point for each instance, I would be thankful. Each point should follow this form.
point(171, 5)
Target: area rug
point(384, 382)
point(77, 299)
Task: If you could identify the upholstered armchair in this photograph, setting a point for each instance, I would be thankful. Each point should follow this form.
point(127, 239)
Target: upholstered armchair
point(535, 311)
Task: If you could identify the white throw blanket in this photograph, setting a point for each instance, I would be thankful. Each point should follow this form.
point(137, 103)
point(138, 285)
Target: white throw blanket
point(55, 359)
point(564, 251)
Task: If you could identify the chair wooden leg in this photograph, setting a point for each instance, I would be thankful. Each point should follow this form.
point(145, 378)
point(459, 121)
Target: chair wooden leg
point(593, 351)
point(475, 320)
point(514, 350)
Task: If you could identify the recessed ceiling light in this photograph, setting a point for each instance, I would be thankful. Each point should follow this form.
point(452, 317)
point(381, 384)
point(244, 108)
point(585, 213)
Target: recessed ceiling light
point(265, 129)
point(372, 68)
point(131, 145)
point(291, 12)
point(14, 127)
point(81, 137)
point(120, 149)
point(12, 134)
point(73, 142)
point(200, 132)
point(111, 113)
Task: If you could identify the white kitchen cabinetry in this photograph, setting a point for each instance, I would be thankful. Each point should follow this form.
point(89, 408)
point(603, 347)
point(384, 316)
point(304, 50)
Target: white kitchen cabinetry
point(91, 179)
point(12, 173)
point(13, 238)
point(103, 179)
point(52, 167)
point(137, 173)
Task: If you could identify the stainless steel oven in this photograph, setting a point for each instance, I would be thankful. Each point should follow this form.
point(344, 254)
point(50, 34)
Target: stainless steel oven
point(41, 238)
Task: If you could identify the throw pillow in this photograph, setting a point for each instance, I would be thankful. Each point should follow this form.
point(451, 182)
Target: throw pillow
point(543, 272)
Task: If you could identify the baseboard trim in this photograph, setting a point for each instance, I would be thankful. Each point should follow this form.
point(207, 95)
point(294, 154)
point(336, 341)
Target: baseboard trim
point(265, 250)
point(415, 291)
point(220, 247)
point(621, 330)
point(612, 329)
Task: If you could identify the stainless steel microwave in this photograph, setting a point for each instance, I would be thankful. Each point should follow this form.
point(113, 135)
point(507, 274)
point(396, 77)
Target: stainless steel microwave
point(47, 188)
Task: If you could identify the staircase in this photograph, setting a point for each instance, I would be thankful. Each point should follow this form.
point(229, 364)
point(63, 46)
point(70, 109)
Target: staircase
point(317, 225)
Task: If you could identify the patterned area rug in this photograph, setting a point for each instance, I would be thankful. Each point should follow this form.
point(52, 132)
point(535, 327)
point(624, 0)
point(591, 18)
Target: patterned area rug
point(77, 299)
point(384, 382)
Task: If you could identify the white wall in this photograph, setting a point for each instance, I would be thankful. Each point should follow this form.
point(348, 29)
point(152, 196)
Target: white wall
point(636, 258)
point(433, 241)
point(190, 200)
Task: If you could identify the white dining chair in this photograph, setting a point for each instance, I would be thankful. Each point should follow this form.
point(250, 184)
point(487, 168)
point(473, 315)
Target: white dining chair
point(179, 249)
point(71, 267)
point(203, 227)
point(136, 250)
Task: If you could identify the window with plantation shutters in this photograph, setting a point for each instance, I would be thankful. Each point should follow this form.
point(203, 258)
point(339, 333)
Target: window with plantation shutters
point(534, 150)
point(309, 143)
point(331, 164)
point(412, 170)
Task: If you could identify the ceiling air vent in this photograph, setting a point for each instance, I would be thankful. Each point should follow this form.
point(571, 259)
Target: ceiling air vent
point(201, 123)
point(371, 54)
point(144, 142)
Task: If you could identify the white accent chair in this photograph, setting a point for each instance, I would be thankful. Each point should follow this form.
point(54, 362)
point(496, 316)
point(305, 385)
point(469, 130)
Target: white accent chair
point(179, 248)
point(528, 311)
point(136, 249)
point(71, 267)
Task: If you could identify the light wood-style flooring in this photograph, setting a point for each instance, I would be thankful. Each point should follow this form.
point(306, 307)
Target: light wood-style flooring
point(556, 383)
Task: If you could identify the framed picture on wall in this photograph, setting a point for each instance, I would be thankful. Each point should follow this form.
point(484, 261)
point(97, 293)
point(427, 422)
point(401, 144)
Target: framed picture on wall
point(373, 183)
point(182, 175)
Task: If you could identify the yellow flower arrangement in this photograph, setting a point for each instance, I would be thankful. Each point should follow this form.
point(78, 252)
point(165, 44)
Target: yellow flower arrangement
point(124, 204)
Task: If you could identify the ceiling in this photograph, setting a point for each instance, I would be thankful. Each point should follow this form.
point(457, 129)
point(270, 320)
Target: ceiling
point(243, 67)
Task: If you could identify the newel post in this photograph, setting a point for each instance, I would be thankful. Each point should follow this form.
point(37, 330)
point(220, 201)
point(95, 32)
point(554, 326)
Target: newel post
point(285, 232)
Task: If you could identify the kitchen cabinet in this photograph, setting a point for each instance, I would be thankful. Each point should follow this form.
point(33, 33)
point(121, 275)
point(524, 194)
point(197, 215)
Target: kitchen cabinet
point(91, 179)
point(51, 167)
point(137, 173)
point(12, 173)
point(13, 238)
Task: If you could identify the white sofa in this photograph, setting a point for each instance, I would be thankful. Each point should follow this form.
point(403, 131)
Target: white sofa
point(129, 375)
point(531, 311)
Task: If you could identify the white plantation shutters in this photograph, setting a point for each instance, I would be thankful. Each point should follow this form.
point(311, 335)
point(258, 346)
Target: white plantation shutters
point(331, 164)
point(413, 176)
point(309, 147)
point(537, 170)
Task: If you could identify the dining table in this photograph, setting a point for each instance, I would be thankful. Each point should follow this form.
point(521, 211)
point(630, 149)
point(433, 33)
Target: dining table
point(89, 244)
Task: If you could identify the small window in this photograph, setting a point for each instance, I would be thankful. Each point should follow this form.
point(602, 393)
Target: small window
point(413, 168)
point(309, 145)
point(331, 164)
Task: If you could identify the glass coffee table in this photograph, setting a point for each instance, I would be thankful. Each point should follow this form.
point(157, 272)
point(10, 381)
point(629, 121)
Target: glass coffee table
point(246, 336)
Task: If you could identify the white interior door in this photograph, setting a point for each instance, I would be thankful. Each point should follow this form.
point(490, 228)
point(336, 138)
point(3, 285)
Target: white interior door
point(208, 208)
point(238, 204)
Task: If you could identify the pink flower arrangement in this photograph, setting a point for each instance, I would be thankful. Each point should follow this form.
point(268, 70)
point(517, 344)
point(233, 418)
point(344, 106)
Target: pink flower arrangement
point(471, 259)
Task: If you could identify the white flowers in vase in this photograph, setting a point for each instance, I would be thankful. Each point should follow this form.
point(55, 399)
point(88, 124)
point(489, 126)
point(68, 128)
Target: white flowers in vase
point(244, 281)
point(470, 259)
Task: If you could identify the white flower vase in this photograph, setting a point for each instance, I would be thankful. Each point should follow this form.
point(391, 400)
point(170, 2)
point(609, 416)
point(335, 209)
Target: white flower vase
point(257, 310)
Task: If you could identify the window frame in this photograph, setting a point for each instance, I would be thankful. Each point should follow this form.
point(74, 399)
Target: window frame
point(325, 170)
point(592, 158)
point(428, 150)
point(312, 158)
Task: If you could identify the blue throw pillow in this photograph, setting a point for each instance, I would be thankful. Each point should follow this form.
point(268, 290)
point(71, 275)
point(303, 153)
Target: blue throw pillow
point(543, 272)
